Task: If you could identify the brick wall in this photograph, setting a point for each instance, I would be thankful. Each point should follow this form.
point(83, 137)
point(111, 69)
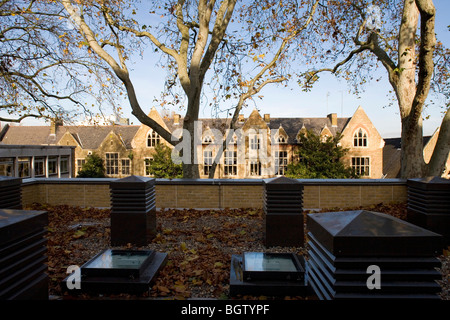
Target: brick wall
point(317, 194)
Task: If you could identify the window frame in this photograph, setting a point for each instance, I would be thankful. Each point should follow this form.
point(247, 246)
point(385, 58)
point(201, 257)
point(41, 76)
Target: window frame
point(126, 167)
point(207, 161)
point(278, 164)
point(230, 163)
point(25, 163)
point(255, 142)
point(39, 160)
point(112, 164)
point(360, 138)
point(358, 166)
point(65, 168)
point(153, 139)
point(255, 168)
point(80, 163)
point(52, 166)
point(7, 165)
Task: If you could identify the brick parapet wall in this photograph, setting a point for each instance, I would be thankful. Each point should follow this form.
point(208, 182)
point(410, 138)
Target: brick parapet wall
point(205, 193)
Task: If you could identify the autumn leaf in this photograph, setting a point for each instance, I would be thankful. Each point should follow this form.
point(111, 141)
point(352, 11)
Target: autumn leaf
point(79, 234)
point(163, 289)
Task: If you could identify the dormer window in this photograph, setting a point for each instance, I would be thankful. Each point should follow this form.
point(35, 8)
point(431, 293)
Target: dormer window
point(153, 138)
point(207, 139)
point(360, 138)
point(281, 139)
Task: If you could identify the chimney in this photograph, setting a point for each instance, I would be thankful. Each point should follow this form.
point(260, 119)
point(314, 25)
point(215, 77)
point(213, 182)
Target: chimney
point(55, 123)
point(267, 117)
point(241, 118)
point(176, 119)
point(333, 119)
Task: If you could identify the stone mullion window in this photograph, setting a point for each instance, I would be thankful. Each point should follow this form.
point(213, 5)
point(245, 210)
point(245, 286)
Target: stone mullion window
point(80, 163)
point(361, 165)
point(255, 168)
point(230, 163)
point(153, 139)
point(255, 143)
point(112, 163)
point(360, 138)
point(125, 166)
point(147, 166)
point(207, 161)
point(281, 161)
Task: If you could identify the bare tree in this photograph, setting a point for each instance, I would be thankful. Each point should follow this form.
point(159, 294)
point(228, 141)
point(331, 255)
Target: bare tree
point(200, 28)
point(287, 21)
point(391, 35)
point(42, 73)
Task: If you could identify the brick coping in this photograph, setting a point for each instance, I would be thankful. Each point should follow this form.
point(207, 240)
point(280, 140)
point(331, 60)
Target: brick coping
point(213, 182)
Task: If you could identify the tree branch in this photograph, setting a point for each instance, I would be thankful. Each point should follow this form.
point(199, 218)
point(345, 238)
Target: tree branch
point(426, 64)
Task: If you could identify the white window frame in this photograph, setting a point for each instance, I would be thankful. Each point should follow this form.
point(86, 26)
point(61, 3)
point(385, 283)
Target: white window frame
point(255, 142)
point(80, 163)
point(112, 163)
point(207, 139)
point(281, 162)
point(153, 139)
point(230, 163)
point(361, 165)
point(360, 138)
point(207, 161)
point(281, 139)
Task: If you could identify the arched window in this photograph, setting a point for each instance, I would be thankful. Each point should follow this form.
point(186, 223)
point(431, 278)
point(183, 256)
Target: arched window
point(207, 139)
point(281, 139)
point(153, 138)
point(360, 138)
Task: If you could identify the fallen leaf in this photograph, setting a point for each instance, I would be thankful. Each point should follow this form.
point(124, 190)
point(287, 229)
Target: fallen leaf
point(163, 289)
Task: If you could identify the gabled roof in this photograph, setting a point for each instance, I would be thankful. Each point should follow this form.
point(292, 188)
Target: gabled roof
point(89, 137)
point(293, 125)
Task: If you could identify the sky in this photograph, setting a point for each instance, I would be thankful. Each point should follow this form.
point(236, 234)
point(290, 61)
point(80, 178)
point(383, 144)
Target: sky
point(329, 95)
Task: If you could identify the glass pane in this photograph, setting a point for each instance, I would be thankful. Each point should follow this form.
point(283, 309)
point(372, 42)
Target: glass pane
point(260, 261)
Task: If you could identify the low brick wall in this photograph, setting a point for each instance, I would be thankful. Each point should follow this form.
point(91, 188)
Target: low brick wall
point(204, 193)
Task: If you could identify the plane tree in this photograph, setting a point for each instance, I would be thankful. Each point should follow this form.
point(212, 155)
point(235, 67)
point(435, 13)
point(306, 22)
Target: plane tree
point(44, 72)
point(204, 42)
point(353, 38)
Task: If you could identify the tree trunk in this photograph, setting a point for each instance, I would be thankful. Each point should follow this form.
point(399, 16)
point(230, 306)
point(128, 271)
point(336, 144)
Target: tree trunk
point(441, 150)
point(412, 160)
point(191, 168)
point(412, 163)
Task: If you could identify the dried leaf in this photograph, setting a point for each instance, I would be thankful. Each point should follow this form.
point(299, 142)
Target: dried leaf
point(163, 289)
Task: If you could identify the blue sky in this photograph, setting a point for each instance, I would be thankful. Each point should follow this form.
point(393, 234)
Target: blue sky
point(328, 95)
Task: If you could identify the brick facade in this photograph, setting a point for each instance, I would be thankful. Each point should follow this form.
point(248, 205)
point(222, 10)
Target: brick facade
point(317, 194)
point(263, 146)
